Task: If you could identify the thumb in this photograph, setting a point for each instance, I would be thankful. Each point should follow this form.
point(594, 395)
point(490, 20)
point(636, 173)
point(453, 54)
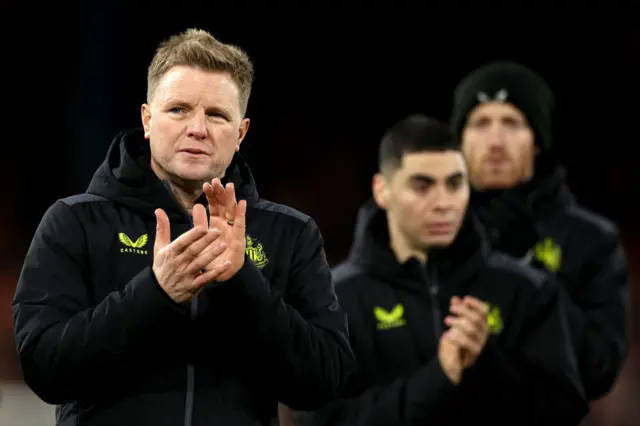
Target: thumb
point(163, 230)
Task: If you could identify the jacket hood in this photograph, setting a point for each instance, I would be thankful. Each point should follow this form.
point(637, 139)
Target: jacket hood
point(125, 177)
point(455, 263)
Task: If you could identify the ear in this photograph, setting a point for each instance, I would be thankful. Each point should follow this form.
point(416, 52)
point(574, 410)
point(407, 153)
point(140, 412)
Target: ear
point(242, 132)
point(380, 189)
point(145, 113)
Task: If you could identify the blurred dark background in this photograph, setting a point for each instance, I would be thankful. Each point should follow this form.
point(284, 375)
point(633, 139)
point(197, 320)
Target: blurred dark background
point(330, 78)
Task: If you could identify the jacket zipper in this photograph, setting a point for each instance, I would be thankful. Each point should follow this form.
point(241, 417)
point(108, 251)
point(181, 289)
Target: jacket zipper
point(191, 369)
point(431, 281)
point(191, 375)
point(193, 310)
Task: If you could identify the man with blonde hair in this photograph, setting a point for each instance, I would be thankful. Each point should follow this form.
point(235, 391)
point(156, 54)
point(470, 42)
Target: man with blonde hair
point(502, 113)
point(156, 298)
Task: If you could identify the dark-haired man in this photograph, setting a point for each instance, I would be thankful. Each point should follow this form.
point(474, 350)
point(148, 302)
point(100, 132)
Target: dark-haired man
point(445, 331)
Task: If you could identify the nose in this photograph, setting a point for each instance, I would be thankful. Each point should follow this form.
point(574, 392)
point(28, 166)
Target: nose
point(196, 127)
point(496, 137)
point(443, 200)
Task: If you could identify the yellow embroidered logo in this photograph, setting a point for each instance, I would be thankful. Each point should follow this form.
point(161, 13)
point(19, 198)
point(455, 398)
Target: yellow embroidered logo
point(389, 319)
point(256, 253)
point(549, 253)
point(131, 246)
point(494, 319)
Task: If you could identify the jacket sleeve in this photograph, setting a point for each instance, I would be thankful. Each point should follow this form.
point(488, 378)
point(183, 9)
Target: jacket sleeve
point(539, 381)
point(70, 349)
point(420, 399)
point(303, 332)
point(598, 317)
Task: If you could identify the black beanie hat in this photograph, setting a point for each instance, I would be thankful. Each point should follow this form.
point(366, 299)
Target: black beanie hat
point(506, 82)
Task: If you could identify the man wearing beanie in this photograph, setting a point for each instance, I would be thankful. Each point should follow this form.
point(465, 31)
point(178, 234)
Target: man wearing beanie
point(502, 114)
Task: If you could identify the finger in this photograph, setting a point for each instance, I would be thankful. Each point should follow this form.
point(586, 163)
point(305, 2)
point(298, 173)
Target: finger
point(446, 339)
point(230, 202)
point(473, 331)
point(460, 322)
point(449, 339)
point(180, 244)
point(464, 341)
point(195, 249)
point(462, 310)
point(211, 274)
point(211, 199)
point(455, 300)
point(206, 257)
point(476, 304)
point(200, 216)
point(163, 230)
point(240, 221)
point(479, 324)
point(220, 197)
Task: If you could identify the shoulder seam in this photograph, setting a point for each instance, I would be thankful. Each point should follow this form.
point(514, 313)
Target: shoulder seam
point(83, 198)
point(281, 209)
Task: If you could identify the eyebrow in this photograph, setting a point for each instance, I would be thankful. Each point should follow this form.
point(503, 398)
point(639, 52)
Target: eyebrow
point(175, 102)
point(506, 117)
point(430, 179)
point(219, 110)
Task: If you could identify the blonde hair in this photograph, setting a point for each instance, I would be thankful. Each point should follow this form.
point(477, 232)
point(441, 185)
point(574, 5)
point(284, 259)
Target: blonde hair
point(198, 48)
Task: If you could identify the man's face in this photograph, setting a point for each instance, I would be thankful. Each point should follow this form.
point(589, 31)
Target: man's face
point(194, 124)
point(426, 198)
point(499, 146)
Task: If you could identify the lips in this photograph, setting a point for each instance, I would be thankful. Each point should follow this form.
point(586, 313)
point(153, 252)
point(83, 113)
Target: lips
point(193, 151)
point(496, 159)
point(439, 228)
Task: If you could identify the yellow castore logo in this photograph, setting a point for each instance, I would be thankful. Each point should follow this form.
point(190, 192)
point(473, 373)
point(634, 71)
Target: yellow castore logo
point(131, 246)
point(389, 319)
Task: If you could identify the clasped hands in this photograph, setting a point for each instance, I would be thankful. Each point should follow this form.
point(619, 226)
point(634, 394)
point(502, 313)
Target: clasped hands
point(466, 337)
point(213, 250)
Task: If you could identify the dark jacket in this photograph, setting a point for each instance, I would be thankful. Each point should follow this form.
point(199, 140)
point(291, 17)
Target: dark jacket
point(526, 374)
point(98, 336)
point(542, 223)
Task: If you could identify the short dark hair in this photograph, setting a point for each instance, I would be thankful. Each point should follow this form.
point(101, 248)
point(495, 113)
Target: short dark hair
point(416, 133)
